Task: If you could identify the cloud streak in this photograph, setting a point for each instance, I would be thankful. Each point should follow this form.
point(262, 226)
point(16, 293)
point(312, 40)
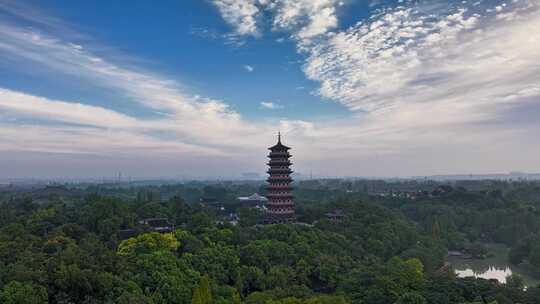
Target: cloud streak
point(190, 117)
point(270, 105)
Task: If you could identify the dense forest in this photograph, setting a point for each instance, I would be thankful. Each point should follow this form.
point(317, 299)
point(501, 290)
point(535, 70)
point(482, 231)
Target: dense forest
point(386, 248)
point(464, 220)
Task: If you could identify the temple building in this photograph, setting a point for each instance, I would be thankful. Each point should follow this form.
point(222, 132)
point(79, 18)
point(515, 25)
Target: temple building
point(280, 204)
point(252, 201)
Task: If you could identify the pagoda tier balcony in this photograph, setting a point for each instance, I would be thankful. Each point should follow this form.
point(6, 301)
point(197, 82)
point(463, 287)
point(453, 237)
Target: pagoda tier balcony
point(280, 202)
point(272, 188)
point(275, 190)
point(279, 183)
point(279, 167)
point(271, 196)
point(276, 179)
point(280, 199)
point(279, 171)
point(281, 193)
point(282, 210)
point(283, 154)
point(279, 155)
point(274, 206)
point(279, 162)
point(282, 214)
point(278, 187)
point(279, 175)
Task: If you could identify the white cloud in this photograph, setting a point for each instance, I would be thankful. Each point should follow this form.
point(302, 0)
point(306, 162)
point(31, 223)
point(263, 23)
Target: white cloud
point(61, 111)
point(305, 19)
point(419, 82)
point(248, 68)
point(144, 87)
point(422, 81)
point(241, 14)
point(38, 124)
point(270, 105)
point(404, 58)
point(193, 114)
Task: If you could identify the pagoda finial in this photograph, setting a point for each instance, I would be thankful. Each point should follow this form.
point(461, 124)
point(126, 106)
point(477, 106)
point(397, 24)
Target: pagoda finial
point(279, 136)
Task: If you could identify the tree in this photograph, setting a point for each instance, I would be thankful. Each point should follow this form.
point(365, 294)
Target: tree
point(279, 276)
point(23, 293)
point(478, 250)
point(534, 256)
point(515, 281)
point(76, 283)
point(202, 294)
point(249, 216)
point(436, 230)
point(164, 275)
point(148, 243)
point(408, 274)
point(219, 262)
point(198, 222)
point(411, 298)
point(326, 300)
point(249, 279)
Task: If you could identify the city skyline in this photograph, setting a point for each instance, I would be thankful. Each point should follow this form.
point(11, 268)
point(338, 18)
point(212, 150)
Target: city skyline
point(359, 88)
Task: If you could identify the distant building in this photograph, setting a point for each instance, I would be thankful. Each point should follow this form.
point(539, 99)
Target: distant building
point(280, 205)
point(213, 203)
point(161, 225)
point(455, 253)
point(233, 219)
point(253, 201)
point(336, 216)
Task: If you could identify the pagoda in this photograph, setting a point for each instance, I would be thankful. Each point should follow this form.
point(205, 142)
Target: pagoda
point(280, 205)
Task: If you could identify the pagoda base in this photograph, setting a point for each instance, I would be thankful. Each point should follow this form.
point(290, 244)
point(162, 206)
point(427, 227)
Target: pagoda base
point(279, 219)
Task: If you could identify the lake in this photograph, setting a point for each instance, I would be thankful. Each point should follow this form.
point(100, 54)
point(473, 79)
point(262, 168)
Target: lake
point(494, 267)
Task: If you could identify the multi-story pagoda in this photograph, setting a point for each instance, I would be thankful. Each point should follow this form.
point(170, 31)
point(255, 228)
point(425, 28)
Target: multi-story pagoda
point(280, 205)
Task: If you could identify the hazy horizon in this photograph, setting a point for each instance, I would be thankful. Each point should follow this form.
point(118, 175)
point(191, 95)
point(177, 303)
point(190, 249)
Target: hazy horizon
point(201, 88)
point(124, 178)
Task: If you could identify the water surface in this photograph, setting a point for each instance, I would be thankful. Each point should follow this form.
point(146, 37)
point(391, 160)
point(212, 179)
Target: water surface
point(494, 267)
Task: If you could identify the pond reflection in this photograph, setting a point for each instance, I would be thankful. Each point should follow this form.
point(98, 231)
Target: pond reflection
point(491, 272)
point(494, 267)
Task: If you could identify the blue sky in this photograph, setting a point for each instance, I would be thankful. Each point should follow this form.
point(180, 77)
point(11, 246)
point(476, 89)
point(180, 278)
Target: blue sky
point(199, 88)
point(175, 39)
